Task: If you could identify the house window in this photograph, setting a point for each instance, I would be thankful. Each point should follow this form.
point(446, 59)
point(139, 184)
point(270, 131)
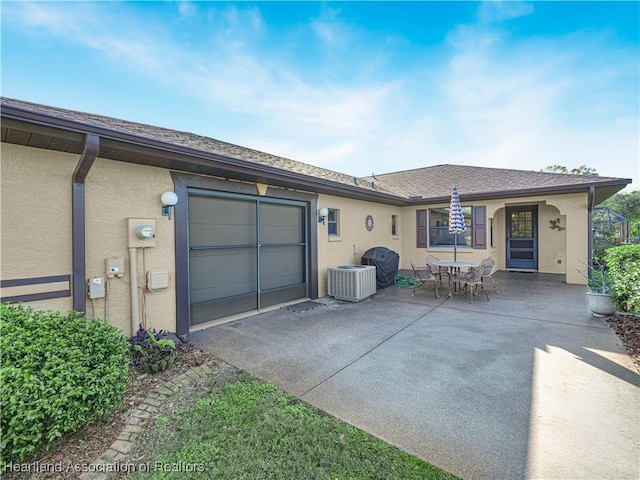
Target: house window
point(332, 222)
point(435, 222)
point(439, 235)
point(394, 225)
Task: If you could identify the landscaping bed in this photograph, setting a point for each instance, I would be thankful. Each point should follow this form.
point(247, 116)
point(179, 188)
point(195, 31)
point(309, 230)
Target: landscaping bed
point(627, 327)
point(84, 446)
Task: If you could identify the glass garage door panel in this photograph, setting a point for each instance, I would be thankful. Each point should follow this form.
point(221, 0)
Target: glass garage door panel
point(221, 221)
point(223, 283)
point(222, 257)
point(281, 267)
point(282, 275)
point(280, 224)
point(282, 254)
point(221, 273)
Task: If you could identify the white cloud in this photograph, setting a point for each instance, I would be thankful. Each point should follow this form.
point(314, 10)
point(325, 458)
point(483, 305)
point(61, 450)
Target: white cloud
point(186, 9)
point(528, 105)
point(330, 28)
point(131, 44)
point(499, 11)
point(487, 100)
point(236, 26)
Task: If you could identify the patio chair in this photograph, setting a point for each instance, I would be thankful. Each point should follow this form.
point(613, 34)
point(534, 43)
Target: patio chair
point(487, 266)
point(438, 271)
point(421, 275)
point(471, 280)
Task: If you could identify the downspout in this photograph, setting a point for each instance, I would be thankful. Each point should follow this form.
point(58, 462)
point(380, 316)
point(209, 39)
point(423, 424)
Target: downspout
point(89, 154)
point(592, 199)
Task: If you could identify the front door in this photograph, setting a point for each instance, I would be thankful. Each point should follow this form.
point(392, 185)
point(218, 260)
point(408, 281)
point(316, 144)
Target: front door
point(522, 238)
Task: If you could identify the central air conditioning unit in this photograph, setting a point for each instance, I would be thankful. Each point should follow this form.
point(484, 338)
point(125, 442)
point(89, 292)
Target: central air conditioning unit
point(351, 282)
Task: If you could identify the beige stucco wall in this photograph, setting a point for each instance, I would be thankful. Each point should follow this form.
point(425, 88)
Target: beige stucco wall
point(552, 244)
point(36, 228)
point(36, 232)
point(35, 212)
point(569, 246)
point(354, 239)
point(116, 191)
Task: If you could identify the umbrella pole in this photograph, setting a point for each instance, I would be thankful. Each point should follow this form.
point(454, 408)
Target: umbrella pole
point(455, 247)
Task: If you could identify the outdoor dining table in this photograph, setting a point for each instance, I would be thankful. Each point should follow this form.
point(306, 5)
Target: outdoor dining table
point(454, 266)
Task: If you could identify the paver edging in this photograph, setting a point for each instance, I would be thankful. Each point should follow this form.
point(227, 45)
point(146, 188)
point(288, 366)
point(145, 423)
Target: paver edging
point(138, 417)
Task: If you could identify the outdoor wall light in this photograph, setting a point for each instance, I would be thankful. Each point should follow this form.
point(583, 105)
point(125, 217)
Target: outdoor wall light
point(169, 200)
point(322, 214)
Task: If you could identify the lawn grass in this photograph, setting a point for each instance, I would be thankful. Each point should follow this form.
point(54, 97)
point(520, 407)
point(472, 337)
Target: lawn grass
point(247, 429)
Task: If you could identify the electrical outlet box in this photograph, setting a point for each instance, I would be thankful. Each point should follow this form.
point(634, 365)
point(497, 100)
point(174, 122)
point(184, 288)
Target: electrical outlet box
point(157, 279)
point(142, 232)
point(114, 267)
point(96, 287)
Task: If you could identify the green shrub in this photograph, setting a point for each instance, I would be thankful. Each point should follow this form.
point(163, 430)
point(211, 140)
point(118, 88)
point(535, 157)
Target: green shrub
point(57, 373)
point(624, 268)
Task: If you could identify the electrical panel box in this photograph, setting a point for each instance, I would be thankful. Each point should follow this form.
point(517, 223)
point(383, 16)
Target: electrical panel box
point(96, 287)
point(141, 232)
point(157, 279)
point(114, 267)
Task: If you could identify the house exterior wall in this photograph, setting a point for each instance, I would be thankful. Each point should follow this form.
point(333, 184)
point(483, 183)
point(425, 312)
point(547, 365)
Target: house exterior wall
point(568, 246)
point(36, 234)
point(354, 239)
point(37, 231)
point(116, 191)
point(35, 208)
point(552, 243)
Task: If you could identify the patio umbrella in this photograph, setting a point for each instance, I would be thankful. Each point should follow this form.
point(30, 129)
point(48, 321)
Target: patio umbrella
point(456, 220)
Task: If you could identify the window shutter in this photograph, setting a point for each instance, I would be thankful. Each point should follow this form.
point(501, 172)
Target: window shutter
point(421, 228)
point(480, 226)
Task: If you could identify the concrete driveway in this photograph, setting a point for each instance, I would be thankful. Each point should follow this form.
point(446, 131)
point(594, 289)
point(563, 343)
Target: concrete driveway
point(527, 385)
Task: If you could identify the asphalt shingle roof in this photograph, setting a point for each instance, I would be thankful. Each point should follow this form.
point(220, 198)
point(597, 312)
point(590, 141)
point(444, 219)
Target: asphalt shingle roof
point(428, 182)
point(185, 139)
point(437, 181)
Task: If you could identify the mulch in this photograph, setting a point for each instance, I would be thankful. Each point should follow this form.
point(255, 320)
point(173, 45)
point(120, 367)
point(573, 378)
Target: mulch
point(627, 327)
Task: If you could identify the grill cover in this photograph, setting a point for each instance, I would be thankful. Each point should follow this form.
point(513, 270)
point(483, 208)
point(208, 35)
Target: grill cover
point(386, 262)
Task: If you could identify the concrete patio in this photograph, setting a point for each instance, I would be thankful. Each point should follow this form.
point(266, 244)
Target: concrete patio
point(527, 385)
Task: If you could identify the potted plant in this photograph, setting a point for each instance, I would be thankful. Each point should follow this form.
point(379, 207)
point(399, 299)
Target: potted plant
point(601, 286)
point(152, 353)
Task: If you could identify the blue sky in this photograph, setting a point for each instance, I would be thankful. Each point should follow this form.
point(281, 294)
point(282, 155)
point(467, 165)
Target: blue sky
point(357, 87)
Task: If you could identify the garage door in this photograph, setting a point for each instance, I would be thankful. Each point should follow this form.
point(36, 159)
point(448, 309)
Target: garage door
point(245, 253)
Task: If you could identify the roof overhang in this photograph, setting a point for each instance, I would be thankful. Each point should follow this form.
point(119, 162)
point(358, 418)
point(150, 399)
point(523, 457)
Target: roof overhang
point(38, 130)
point(603, 190)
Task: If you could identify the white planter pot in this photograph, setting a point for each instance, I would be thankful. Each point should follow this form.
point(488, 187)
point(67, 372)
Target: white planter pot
point(601, 304)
